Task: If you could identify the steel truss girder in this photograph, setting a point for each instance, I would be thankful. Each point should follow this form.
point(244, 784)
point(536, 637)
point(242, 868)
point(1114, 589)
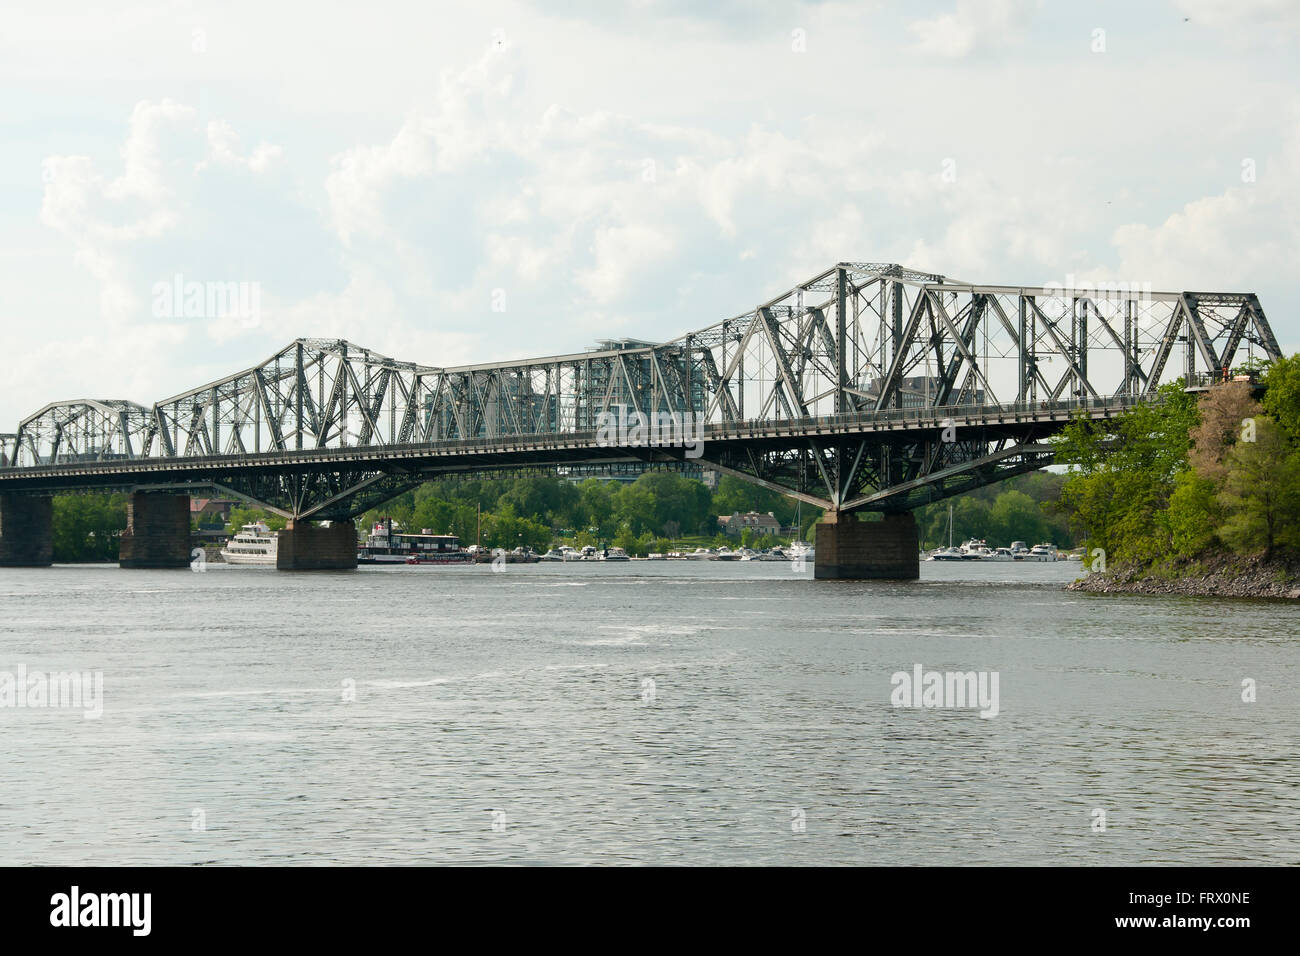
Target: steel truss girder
point(885, 472)
point(856, 337)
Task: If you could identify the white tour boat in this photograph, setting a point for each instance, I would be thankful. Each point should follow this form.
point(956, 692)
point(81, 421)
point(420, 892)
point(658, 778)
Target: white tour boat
point(1042, 552)
point(255, 544)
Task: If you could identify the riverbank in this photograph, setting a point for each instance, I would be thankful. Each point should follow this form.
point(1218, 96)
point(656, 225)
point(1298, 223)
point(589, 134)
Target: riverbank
point(1213, 576)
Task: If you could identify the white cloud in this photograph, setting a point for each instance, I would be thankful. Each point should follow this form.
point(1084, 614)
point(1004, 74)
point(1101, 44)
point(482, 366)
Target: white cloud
point(611, 181)
point(1242, 13)
point(972, 25)
point(1244, 239)
point(110, 218)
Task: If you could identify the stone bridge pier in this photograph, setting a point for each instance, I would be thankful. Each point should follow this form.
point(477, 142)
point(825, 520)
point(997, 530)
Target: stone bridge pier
point(303, 546)
point(849, 549)
point(157, 531)
point(26, 531)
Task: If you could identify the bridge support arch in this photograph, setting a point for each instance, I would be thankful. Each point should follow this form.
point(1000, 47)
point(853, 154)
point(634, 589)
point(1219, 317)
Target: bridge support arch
point(848, 549)
point(26, 531)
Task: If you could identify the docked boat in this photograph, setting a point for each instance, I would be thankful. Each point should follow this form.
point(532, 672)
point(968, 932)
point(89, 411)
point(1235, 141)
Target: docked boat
point(801, 550)
point(1042, 552)
point(388, 544)
point(702, 554)
point(256, 544)
point(947, 554)
point(615, 554)
point(726, 554)
point(552, 555)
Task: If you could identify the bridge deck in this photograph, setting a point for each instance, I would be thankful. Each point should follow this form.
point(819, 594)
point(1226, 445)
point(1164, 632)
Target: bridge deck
point(573, 447)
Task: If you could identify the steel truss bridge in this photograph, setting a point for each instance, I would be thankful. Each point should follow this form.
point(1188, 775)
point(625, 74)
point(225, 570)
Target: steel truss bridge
point(869, 387)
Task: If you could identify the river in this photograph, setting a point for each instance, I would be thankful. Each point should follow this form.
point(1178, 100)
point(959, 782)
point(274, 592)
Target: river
point(642, 713)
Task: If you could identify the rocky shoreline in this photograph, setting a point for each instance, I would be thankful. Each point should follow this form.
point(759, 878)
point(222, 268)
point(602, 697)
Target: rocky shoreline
point(1209, 576)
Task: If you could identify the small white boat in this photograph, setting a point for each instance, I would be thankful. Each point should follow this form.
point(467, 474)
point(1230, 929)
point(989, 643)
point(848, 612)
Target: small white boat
point(256, 544)
point(726, 554)
point(1042, 552)
point(801, 549)
point(615, 554)
point(702, 554)
point(947, 554)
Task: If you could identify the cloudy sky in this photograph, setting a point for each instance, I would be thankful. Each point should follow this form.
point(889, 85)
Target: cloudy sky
point(389, 172)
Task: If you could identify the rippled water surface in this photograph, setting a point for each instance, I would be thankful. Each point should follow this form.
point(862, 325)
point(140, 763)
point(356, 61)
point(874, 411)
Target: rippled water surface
point(510, 718)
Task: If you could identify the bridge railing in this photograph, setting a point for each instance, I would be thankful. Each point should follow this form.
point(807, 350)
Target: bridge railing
point(936, 414)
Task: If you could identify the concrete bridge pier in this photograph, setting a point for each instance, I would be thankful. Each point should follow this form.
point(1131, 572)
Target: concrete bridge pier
point(26, 531)
point(157, 531)
point(867, 550)
point(303, 546)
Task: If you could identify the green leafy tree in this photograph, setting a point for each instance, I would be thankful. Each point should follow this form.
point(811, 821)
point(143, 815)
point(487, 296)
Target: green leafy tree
point(1193, 515)
point(242, 515)
point(626, 539)
point(634, 508)
point(1261, 493)
point(596, 505)
point(1125, 471)
point(87, 527)
point(505, 529)
point(1017, 517)
point(1282, 396)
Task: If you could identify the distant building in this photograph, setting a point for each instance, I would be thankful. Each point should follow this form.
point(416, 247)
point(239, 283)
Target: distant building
point(629, 472)
point(734, 524)
point(920, 390)
point(211, 510)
